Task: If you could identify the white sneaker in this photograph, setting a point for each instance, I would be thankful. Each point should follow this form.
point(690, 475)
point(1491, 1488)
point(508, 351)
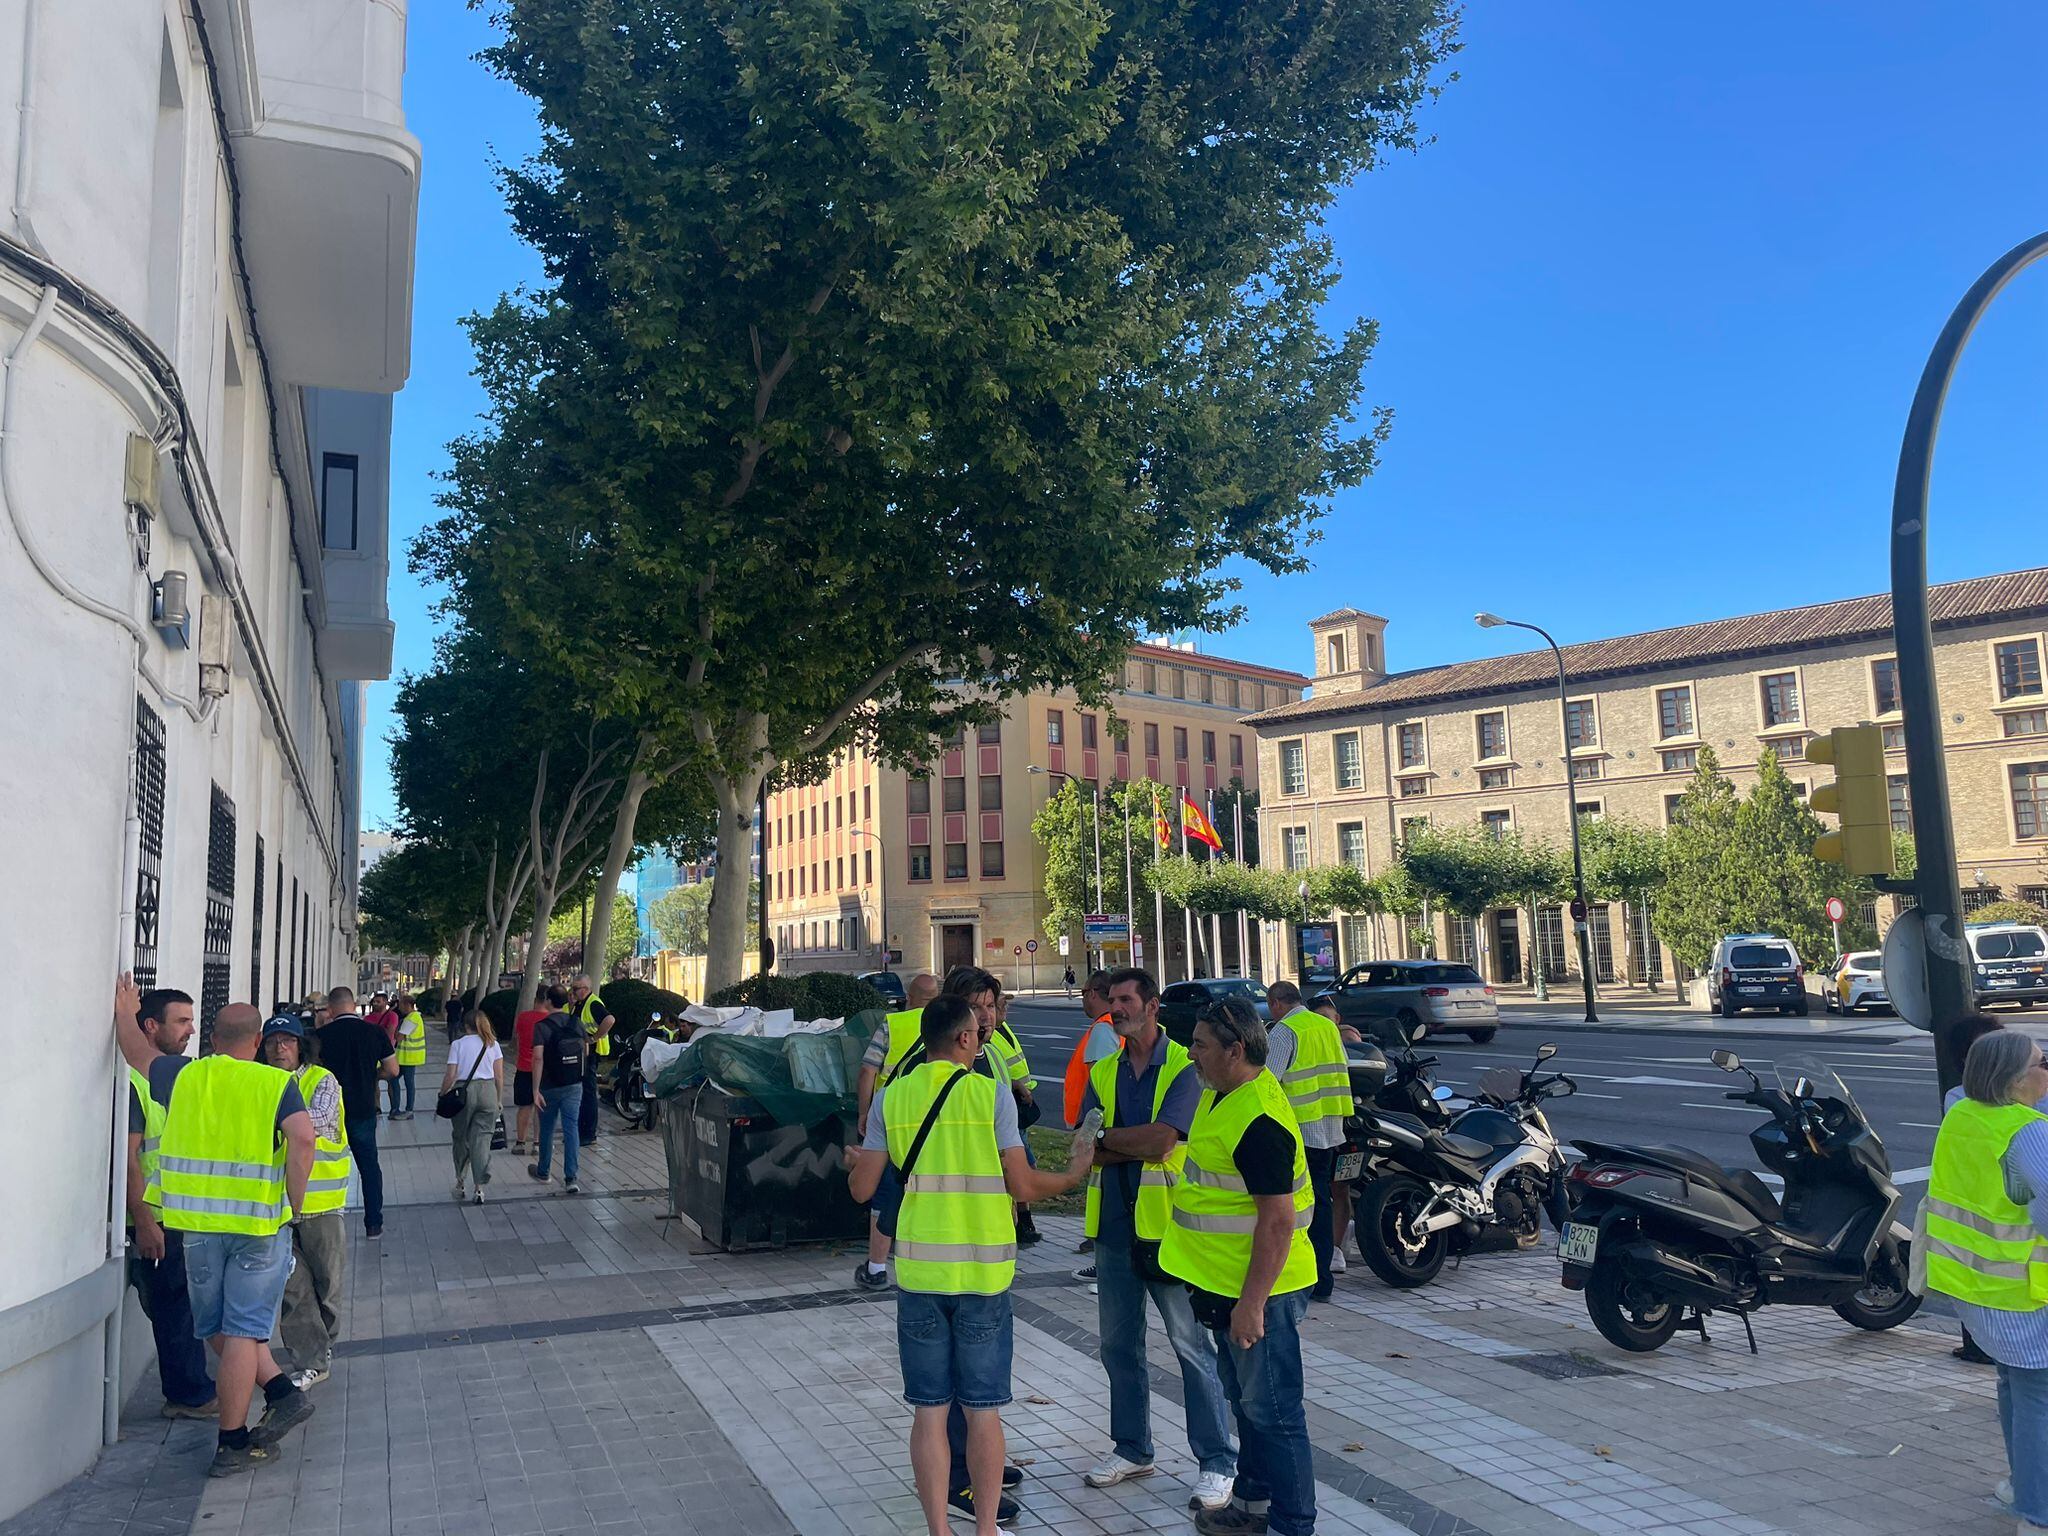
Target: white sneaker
point(461, 1194)
point(2003, 1492)
point(1212, 1490)
point(1113, 1469)
point(1337, 1265)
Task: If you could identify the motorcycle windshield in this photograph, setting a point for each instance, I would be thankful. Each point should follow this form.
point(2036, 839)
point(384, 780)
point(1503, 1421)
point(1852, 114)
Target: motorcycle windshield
point(1808, 1077)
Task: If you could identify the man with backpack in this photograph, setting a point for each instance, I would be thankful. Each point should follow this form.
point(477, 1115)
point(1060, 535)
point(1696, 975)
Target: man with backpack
point(560, 1051)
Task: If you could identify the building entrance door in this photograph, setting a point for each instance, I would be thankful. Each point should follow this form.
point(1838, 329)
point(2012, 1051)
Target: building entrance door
point(956, 945)
point(1507, 945)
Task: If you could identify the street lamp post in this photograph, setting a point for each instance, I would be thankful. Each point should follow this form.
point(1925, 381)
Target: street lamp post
point(881, 890)
point(1571, 791)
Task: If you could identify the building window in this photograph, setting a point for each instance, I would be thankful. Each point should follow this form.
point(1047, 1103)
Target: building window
point(2029, 799)
point(1495, 778)
point(1895, 738)
point(1671, 809)
point(1336, 650)
point(1294, 847)
point(814, 821)
point(1351, 843)
point(867, 802)
point(921, 862)
point(1463, 933)
point(990, 792)
point(1900, 798)
point(1209, 748)
point(1415, 786)
point(990, 735)
point(1799, 790)
point(1550, 939)
point(1497, 823)
point(991, 861)
point(1055, 728)
point(1493, 734)
point(1150, 679)
point(1581, 725)
point(1350, 762)
point(1087, 733)
point(839, 873)
point(1411, 745)
point(956, 861)
point(1781, 699)
point(1790, 749)
point(1180, 743)
point(869, 861)
point(1177, 681)
point(2019, 668)
point(277, 935)
point(918, 798)
point(2027, 722)
point(256, 932)
point(1584, 768)
point(1236, 752)
point(1674, 712)
point(1202, 686)
point(1589, 810)
point(338, 509)
point(1293, 768)
point(1884, 685)
point(218, 939)
point(1151, 738)
point(1685, 760)
point(955, 794)
point(151, 760)
point(1412, 825)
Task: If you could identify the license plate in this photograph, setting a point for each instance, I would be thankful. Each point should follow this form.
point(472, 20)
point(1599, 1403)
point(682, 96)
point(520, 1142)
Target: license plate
point(1749, 989)
point(1349, 1165)
point(2003, 981)
point(1469, 1005)
point(1578, 1243)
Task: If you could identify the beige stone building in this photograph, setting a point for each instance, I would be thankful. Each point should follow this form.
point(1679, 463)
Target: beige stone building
point(948, 858)
point(1484, 743)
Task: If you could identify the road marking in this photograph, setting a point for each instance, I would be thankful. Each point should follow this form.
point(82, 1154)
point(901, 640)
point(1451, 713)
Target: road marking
point(1920, 1125)
point(1648, 1081)
point(1584, 1094)
point(1912, 1176)
point(1739, 1109)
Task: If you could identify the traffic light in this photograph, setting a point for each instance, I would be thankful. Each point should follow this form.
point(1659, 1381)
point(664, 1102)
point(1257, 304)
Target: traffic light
point(1863, 843)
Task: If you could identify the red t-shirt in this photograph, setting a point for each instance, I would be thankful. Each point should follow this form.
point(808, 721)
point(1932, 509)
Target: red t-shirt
point(522, 1034)
point(388, 1021)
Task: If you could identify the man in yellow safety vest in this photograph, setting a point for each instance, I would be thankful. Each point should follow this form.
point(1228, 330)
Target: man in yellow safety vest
point(1306, 1055)
point(412, 1055)
point(886, 1050)
point(953, 1134)
point(1147, 1093)
point(588, 1009)
point(1238, 1235)
point(156, 1260)
point(312, 1320)
point(236, 1153)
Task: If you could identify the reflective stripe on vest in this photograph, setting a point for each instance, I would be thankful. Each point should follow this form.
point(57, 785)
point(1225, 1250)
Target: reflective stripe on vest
point(152, 1137)
point(1208, 1240)
point(1980, 1245)
point(957, 1232)
point(412, 1048)
point(221, 1168)
point(1318, 1080)
point(1156, 1180)
point(1013, 1048)
point(327, 1185)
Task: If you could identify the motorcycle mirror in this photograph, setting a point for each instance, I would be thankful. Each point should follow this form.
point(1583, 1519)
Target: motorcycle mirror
point(654, 1018)
point(1545, 1051)
point(1440, 1093)
point(1727, 1061)
point(1802, 1088)
point(1418, 1034)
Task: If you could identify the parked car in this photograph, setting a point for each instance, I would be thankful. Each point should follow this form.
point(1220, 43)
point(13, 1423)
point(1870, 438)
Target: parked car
point(1385, 999)
point(1756, 970)
point(1179, 1003)
point(1856, 982)
point(2011, 962)
point(889, 984)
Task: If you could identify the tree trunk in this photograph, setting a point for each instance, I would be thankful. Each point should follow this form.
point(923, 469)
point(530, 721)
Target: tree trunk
point(727, 919)
point(458, 958)
point(536, 942)
point(616, 858)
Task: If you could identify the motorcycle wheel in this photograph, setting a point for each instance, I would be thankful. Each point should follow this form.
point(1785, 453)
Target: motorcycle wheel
point(1383, 1217)
point(1884, 1302)
point(1627, 1315)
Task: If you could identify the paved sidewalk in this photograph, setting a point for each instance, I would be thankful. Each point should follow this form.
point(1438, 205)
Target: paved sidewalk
point(548, 1364)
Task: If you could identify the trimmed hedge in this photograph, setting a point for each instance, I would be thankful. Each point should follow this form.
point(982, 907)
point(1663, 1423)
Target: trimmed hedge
point(812, 995)
point(633, 1004)
point(500, 1008)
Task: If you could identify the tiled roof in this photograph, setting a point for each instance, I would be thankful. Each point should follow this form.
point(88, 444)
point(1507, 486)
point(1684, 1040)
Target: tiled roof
point(1172, 657)
point(1343, 613)
point(1858, 618)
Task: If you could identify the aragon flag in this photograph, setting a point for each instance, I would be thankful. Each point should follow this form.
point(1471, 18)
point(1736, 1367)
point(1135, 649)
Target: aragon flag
point(1196, 825)
point(1160, 827)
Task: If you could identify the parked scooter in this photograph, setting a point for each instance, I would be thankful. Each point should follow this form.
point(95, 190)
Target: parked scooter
point(1658, 1237)
point(632, 1095)
point(1482, 1180)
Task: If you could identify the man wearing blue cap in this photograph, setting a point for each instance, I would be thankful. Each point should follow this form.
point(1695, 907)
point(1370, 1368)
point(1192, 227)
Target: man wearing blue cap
point(312, 1292)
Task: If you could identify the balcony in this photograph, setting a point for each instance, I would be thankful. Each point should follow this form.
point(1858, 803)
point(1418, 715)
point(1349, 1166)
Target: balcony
point(330, 182)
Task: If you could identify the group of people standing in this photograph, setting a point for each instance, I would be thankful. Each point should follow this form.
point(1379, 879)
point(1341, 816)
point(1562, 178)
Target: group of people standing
point(1209, 1198)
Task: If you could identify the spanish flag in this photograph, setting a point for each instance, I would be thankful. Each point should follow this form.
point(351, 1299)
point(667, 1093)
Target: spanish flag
point(1196, 826)
point(1160, 828)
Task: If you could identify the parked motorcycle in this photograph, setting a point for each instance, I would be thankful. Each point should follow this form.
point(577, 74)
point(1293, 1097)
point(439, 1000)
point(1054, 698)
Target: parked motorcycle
point(1659, 1236)
point(631, 1094)
point(1481, 1180)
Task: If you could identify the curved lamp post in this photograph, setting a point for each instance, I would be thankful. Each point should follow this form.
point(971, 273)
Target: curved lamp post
point(1571, 791)
point(881, 890)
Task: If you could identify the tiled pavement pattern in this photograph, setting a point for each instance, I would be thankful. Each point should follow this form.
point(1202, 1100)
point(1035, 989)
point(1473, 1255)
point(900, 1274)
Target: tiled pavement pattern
point(541, 1364)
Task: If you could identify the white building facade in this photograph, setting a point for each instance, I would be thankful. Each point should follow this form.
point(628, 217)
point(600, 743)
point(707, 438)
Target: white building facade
point(205, 309)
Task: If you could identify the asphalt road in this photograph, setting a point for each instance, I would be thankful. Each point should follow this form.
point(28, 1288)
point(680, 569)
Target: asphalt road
point(1649, 1085)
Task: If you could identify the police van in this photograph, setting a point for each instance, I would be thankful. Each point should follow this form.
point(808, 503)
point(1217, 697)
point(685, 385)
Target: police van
point(2009, 961)
point(1756, 970)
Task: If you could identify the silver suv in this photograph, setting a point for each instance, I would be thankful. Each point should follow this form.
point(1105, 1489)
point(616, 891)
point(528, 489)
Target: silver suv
point(1385, 999)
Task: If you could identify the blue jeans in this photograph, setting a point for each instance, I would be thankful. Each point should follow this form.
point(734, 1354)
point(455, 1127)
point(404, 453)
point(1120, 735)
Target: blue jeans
point(954, 1348)
point(563, 1105)
point(2023, 1417)
point(1120, 1295)
point(1263, 1384)
point(180, 1357)
point(362, 1146)
point(401, 1084)
point(586, 1111)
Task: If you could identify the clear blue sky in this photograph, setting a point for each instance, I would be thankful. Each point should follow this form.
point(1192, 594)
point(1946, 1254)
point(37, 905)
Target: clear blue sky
point(1652, 308)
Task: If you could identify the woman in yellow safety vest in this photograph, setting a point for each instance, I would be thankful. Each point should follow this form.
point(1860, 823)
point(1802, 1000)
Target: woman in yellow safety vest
point(311, 1318)
point(1982, 1239)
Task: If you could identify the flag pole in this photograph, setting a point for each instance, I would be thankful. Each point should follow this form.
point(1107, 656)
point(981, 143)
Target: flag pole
point(1159, 846)
point(1187, 914)
point(1130, 888)
point(1244, 951)
point(1215, 917)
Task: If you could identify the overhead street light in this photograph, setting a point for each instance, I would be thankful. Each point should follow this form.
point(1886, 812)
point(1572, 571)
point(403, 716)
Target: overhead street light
point(1582, 912)
point(881, 889)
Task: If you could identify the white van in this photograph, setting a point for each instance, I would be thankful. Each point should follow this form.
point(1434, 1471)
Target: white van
point(2010, 962)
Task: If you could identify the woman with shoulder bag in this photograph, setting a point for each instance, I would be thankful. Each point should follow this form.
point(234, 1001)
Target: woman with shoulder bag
point(472, 1090)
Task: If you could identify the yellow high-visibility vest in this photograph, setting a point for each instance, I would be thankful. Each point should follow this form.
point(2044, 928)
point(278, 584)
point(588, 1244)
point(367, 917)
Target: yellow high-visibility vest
point(220, 1166)
point(1318, 1080)
point(904, 1032)
point(590, 1015)
point(957, 1232)
point(1155, 1180)
point(1208, 1239)
point(327, 1187)
point(412, 1040)
point(1980, 1244)
point(152, 1136)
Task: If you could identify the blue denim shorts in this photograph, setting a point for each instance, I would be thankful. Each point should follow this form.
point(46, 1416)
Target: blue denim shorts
point(236, 1282)
point(954, 1349)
